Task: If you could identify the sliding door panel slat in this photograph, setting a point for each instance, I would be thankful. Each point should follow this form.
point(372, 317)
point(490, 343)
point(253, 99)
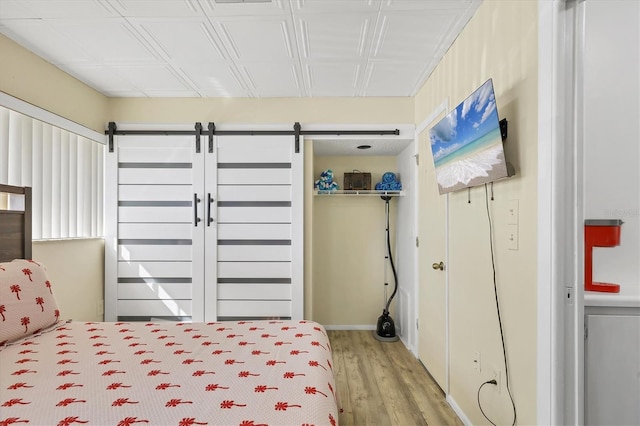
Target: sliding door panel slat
point(154, 231)
point(254, 269)
point(254, 308)
point(254, 215)
point(155, 193)
point(155, 308)
point(155, 253)
point(259, 231)
point(155, 214)
point(254, 176)
point(154, 176)
point(254, 292)
point(245, 253)
point(150, 291)
point(156, 155)
point(154, 269)
point(257, 149)
point(254, 193)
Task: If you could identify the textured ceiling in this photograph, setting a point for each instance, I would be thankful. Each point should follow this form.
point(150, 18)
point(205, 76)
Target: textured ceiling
point(221, 48)
point(250, 49)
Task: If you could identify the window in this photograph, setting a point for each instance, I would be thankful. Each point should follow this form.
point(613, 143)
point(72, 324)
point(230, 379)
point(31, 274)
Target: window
point(64, 169)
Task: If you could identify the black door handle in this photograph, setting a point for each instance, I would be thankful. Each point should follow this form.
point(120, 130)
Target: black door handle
point(196, 219)
point(209, 202)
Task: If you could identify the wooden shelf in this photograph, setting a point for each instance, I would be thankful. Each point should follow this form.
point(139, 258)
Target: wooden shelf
point(358, 192)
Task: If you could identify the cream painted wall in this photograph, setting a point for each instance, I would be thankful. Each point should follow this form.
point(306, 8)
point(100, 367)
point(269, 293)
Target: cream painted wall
point(76, 271)
point(499, 42)
point(349, 247)
point(76, 267)
point(265, 110)
point(30, 78)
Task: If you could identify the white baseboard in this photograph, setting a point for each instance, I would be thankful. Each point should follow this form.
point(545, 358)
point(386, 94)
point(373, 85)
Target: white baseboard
point(456, 408)
point(409, 347)
point(350, 327)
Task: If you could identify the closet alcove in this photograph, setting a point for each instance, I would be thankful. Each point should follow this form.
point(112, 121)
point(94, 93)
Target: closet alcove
point(345, 240)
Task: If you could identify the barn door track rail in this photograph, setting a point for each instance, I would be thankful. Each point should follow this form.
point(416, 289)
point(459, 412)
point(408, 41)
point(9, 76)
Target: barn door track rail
point(198, 132)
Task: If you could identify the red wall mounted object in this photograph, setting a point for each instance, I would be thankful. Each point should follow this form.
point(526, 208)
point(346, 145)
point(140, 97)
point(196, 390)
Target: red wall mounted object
point(599, 233)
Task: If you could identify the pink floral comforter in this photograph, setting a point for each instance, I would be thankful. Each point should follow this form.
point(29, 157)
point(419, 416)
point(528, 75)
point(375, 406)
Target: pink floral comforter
point(127, 373)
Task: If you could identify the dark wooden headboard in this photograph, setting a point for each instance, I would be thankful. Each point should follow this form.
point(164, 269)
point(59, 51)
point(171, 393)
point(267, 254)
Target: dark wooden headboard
point(15, 227)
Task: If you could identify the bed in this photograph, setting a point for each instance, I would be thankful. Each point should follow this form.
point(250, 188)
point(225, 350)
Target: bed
point(54, 371)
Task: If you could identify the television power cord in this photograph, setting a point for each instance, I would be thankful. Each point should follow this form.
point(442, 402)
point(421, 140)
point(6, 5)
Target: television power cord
point(495, 291)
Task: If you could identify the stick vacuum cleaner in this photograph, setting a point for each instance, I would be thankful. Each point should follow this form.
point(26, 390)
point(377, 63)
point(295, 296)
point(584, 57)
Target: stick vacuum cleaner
point(386, 329)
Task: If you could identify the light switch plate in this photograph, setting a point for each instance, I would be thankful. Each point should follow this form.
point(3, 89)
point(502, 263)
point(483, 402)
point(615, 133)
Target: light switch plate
point(513, 212)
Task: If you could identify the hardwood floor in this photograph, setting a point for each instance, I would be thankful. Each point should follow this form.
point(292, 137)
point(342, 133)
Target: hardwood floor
point(384, 384)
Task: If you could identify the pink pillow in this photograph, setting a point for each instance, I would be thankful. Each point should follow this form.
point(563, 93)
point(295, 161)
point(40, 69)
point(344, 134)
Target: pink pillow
point(27, 304)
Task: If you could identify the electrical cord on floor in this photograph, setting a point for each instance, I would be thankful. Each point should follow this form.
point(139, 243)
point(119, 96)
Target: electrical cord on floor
point(495, 291)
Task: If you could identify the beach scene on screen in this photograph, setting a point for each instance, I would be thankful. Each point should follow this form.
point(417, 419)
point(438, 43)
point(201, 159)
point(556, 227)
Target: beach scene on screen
point(467, 144)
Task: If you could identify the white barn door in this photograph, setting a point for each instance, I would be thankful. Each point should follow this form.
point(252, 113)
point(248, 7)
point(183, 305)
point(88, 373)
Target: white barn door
point(204, 236)
point(259, 215)
point(154, 267)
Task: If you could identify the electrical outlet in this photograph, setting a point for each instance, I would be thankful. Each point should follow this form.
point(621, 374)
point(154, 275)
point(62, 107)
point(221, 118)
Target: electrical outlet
point(476, 361)
point(512, 237)
point(497, 376)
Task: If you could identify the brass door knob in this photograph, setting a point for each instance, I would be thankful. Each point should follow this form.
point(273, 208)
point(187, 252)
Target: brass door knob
point(438, 266)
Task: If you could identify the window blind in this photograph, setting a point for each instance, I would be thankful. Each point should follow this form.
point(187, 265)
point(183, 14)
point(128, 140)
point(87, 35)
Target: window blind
point(64, 169)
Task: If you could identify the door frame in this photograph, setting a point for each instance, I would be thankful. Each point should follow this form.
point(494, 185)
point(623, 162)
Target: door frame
point(560, 214)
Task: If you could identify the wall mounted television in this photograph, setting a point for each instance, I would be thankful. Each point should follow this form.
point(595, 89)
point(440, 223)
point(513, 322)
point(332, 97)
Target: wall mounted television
point(467, 143)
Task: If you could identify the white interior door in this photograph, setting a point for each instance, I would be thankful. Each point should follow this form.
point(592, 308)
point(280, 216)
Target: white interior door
point(154, 237)
point(259, 227)
point(204, 236)
point(432, 291)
